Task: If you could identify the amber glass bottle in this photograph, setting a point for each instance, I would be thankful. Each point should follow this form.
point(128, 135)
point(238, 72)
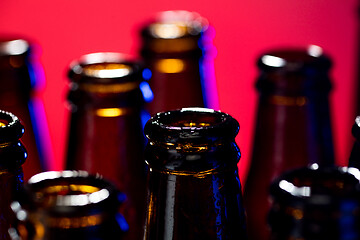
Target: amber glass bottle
point(12, 156)
point(316, 203)
point(194, 190)
point(174, 49)
point(20, 79)
point(68, 205)
point(106, 130)
point(293, 124)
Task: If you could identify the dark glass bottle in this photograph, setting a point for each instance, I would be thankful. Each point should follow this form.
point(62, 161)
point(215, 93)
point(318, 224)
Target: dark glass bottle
point(293, 124)
point(20, 79)
point(68, 205)
point(194, 190)
point(12, 156)
point(316, 203)
point(106, 130)
point(174, 49)
point(354, 160)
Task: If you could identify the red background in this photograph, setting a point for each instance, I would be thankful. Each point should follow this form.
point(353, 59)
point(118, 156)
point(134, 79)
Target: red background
point(66, 29)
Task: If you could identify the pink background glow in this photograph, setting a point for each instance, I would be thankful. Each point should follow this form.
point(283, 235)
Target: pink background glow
point(65, 30)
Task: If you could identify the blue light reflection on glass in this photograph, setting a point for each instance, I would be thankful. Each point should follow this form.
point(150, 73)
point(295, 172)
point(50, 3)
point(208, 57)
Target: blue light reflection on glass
point(146, 91)
point(122, 222)
point(207, 71)
point(147, 74)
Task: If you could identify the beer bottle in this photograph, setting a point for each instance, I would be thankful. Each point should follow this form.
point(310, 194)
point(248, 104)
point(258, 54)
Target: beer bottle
point(20, 79)
point(316, 203)
point(293, 124)
point(176, 49)
point(68, 205)
point(106, 130)
point(194, 190)
point(12, 157)
point(354, 160)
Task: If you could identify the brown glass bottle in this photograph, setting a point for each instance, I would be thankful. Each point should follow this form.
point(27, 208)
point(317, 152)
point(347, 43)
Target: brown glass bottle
point(12, 156)
point(194, 190)
point(316, 203)
point(68, 205)
point(173, 49)
point(106, 130)
point(20, 79)
point(292, 127)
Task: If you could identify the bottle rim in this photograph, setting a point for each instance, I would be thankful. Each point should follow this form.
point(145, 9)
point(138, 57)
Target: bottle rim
point(105, 68)
point(294, 59)
point(70, 192)
point(13, 46)
point(11, 129)
point(191, 125)
point(316, 185)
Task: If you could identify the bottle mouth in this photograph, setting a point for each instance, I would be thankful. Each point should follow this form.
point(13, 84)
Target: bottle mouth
point(177, 24)
point(70, 191)
point(191, 125)
point(13, 47)
point(174, 32)
point(105, 68)
point(10, 127)
point(317, 185)
point(294, 59)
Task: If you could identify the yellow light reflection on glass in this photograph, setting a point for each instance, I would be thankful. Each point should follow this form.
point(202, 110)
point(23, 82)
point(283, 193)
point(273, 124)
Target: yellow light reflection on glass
point(2, 124)
point(170, 65)
point(111, 112)
point(107, 70)
point(168, 30)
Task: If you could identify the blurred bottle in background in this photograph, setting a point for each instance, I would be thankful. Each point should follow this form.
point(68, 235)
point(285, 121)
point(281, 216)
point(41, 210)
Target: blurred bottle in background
point(293, 126)
point(21, 79)
point(12, 157)
point(194, 190)
point(354, 160)
point(316, 203)
point(106, 98)
point(68, 205)
point(178, 53)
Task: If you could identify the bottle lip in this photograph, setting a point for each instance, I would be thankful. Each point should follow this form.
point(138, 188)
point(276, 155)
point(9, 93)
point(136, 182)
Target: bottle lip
point(11, 129)
point(176, 31)
point(70, 192)
point(175, 24)
point(316, 185)
point(105, 68)
point(194, 125)
point(12, 46)
point(294, 59)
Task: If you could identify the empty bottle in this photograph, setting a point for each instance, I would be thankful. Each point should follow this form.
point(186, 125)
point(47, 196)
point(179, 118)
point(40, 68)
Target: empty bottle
point(194, 190)
point(354, 160)
point(177, 51)
point(316, 203)
point(106, 129)
point(68, 205)
point(12, 157)
point(293, 126)
point(21, 79)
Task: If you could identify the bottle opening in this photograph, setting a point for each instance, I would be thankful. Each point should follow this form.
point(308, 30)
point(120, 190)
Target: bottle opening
point(67, 189)
point(177, 24)
point(192, 118)
point(13, 47)
point(319, 184)
point(191, 125)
